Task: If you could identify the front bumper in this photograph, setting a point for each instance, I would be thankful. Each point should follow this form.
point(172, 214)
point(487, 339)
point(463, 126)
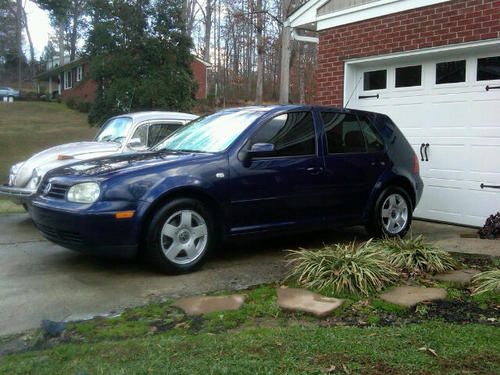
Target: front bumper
point(16, 194)
point(95, 233)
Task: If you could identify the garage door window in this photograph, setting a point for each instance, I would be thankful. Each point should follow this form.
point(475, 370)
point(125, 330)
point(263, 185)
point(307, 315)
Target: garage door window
point(375, 80)
point(450, 72)
point(488, 68)
point(409, 76)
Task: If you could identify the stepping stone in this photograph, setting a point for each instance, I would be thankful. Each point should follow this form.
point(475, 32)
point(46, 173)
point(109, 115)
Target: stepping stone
point(203, 305)
point(411, 295)
point(459, 276)
point(294, 299)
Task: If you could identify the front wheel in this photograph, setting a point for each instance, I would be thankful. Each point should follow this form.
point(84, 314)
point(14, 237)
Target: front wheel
point(180, 236)
point(392, 214)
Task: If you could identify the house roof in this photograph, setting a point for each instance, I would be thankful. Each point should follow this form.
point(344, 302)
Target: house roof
point(61, 68)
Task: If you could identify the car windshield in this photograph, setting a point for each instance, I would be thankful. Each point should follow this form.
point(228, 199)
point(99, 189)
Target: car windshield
point(114, 130)
point(212, 133)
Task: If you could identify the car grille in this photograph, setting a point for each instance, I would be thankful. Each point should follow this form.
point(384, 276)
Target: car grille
point(57, 235)
point(57, 191)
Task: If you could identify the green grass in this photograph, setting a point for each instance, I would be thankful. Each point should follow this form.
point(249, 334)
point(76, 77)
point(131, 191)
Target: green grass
point(290, 350)
point(29, 127)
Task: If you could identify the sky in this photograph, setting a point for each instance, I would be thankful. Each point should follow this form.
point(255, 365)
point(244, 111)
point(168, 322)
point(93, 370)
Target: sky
point(39, 25)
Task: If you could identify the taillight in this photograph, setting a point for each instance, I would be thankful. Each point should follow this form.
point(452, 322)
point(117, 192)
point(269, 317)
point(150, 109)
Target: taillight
point(416, 165)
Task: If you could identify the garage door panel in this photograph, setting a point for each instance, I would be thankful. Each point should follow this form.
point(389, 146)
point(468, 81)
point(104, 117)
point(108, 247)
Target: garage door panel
point(461, 124)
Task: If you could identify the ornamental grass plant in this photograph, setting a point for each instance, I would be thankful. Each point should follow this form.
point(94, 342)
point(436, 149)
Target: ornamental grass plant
point(414, 255)
point(486, 282)
point(342, 268)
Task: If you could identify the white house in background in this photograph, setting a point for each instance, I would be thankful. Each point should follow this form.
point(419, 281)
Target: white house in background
point(434, 67)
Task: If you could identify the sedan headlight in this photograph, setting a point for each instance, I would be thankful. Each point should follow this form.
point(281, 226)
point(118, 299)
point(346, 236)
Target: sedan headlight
point(87, 192)
point(36, 178)
point(13, 173)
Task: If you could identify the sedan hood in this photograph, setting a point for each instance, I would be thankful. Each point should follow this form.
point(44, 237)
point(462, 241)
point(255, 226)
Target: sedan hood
point(48, 159)
point(105, 166)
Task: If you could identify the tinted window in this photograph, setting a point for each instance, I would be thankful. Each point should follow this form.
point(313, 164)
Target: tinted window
point(409, 76)
point(292, 134)
point(158, 132)
point(373, 140)
point(343, 133)
point(450, 72)
point(375, 80)
point(488, 68)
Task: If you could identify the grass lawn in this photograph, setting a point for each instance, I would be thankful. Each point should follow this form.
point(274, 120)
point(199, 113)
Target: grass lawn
point(260, 338)
point(29, 127)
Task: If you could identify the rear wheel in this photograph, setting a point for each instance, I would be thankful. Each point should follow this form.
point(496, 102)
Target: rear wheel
point(392, 214)
point(180, 236)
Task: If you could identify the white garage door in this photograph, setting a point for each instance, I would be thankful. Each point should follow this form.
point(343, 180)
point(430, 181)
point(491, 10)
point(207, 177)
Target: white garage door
point(447, 103)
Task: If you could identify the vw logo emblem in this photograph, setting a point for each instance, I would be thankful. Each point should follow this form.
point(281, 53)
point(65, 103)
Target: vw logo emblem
point(47, 189)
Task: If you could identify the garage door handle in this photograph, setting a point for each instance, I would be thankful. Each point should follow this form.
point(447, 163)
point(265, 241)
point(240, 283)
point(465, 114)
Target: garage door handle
point(368, 96)
point(490, 186)
point(421, 154)
point(488, 88)
point(425, 150)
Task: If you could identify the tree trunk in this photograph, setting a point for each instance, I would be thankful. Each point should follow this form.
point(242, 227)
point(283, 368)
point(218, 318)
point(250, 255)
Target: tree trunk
point(60, 41)
point(260, 54)
point(208, 29)
point(30, 41)
point(19, 9)
point(285, 56)
point(74, 31)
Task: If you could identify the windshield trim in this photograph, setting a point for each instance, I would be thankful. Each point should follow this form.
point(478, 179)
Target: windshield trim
point(101, 128)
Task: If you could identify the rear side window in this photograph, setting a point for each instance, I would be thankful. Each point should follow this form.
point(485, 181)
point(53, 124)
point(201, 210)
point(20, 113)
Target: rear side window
point(374, 142)
point(291, 133)
point(343, 133)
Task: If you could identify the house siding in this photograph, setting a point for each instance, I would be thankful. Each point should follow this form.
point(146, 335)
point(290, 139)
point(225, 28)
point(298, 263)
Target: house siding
point(454, 22)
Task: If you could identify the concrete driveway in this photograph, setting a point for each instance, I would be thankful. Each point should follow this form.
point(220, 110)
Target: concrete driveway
point(40, 280)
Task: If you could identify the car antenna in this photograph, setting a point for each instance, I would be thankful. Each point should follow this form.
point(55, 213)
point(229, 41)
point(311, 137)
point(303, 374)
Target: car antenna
point(353, 91)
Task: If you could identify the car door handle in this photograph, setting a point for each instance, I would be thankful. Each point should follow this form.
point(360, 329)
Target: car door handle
point(421, 153)
point(315, 170)
point(425, 150)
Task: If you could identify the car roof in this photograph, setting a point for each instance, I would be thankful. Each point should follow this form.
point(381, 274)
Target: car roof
point(159, 115)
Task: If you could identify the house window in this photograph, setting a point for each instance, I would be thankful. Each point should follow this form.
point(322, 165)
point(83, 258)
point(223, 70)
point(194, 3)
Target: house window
point(409, 76)
point(450, 72)
point(375, 80)
point(68, 80)
point(79, 73)
point(488, 68)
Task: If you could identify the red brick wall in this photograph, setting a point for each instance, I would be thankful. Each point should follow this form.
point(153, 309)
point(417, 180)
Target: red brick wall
point(453, 22)
point(84, 90)
point(200, 76)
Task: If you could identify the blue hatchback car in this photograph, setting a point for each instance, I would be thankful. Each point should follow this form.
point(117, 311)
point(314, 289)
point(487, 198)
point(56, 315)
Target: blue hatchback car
point(239, 171)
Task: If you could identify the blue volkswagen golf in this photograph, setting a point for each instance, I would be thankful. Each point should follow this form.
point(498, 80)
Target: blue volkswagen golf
point(241, 171)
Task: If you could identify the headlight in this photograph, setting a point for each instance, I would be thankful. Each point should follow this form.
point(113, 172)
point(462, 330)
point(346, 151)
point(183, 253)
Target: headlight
point(13, 173)
point(87, 192)
point(36, 178)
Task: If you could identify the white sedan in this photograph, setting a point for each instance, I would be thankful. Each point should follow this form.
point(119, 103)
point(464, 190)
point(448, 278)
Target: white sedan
point(132, 132)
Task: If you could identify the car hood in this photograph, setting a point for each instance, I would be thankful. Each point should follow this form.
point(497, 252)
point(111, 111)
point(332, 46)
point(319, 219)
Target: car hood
point(106, 166)
point(48, 159)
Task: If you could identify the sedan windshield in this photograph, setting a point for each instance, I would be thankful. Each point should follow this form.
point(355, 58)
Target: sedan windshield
point(213, 133)
point(114, 130)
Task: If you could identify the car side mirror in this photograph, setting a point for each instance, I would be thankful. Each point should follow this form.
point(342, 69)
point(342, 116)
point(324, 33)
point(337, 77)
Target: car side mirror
point(136, 143)
point(256, 150)
point(261, 149)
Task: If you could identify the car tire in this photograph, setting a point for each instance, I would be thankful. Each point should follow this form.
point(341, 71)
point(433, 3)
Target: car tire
point(392, 214)
point(180, 236)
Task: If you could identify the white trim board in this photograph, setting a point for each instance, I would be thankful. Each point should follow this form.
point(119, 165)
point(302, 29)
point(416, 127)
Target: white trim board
point(308, 15)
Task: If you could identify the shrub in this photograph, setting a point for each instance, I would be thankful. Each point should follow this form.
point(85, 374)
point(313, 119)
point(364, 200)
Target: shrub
point(488, 281)
point(413, 255)
point(351, 268)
